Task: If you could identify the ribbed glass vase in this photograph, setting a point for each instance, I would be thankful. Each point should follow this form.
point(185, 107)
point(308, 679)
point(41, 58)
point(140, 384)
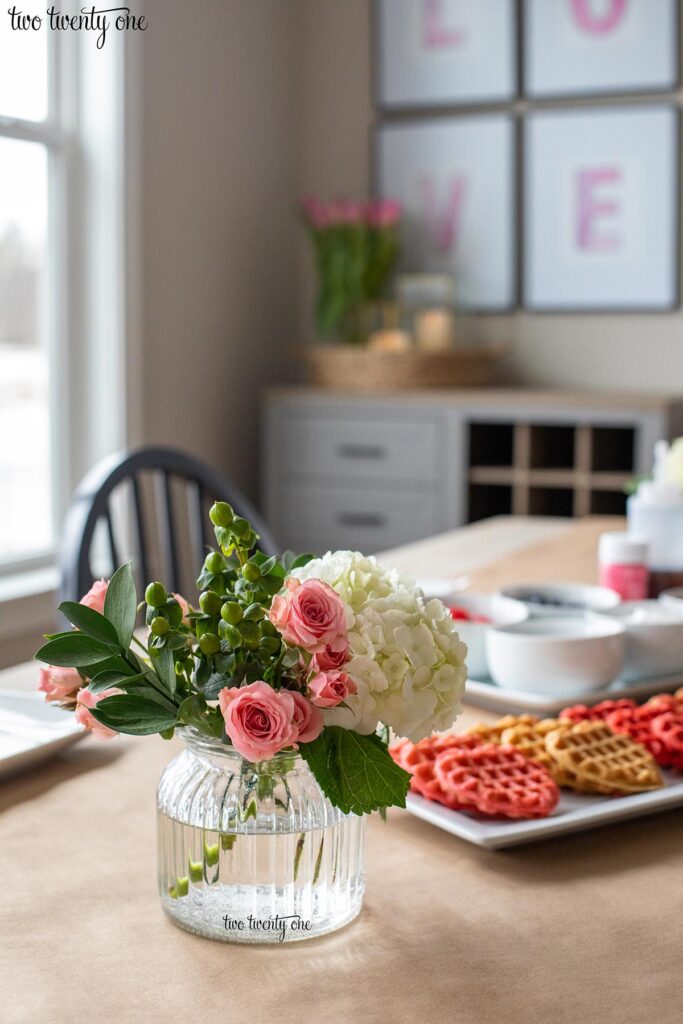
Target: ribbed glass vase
point(254, 852)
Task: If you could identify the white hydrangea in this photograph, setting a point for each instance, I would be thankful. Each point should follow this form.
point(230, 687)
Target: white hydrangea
point(407, 659)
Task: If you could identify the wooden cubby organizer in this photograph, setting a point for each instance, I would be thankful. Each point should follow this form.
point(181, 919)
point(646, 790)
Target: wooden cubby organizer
point(370, 472)
point(548, 469)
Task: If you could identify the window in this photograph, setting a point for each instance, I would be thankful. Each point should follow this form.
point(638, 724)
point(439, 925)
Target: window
point(29, 148)
point(62, 311)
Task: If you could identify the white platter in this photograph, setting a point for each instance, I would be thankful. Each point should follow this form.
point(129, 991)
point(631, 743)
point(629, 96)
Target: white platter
point(32, 731)
point(574, 813)
point(487, 695)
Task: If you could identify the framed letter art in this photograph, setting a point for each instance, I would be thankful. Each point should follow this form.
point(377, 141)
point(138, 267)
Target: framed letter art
point(601, 209)
point(437, 52)
point(455, 179)
point(578, 47)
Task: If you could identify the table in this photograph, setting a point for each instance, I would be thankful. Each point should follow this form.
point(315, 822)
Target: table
point(583, 928)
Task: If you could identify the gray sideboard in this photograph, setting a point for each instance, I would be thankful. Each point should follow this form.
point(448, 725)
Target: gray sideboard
point(370, 472)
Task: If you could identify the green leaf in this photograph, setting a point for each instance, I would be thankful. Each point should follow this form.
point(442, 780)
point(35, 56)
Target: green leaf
point(134, 715)
point(113, 664)
point(105, 680)
point(216, 682)
point(120, 604)
point(164, 667)
point(73, 651)
point(355, 772)
point(195, 711)
point(90, 622)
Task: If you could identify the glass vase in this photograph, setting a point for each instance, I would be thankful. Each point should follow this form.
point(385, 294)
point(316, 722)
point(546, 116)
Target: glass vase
point(254, 852)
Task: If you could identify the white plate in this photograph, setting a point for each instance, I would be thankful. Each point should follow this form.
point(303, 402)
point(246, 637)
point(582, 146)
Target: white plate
point(483, 694)
point(575, 812)
point(32, 731)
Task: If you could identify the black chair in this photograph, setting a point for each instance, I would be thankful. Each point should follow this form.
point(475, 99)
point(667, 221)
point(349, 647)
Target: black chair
point(148, 529)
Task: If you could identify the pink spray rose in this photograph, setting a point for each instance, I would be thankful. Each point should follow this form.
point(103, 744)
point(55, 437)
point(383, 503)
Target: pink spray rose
point(307, 718)
point(86, 700)
point(95, 597)
point(184, 606)
point(260, 721)
point(329, 659)
point(310, 615)
point(59, 683)
point(331, 688)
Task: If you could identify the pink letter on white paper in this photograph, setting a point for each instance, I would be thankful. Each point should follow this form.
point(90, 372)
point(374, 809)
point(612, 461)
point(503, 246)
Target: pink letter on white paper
point(590, 208)
point(442, 222)
point(436, 35)
point(594, 23)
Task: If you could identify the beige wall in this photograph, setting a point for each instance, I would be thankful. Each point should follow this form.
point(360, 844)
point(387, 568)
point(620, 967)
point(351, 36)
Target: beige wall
point(636, 352)
point(214, 97)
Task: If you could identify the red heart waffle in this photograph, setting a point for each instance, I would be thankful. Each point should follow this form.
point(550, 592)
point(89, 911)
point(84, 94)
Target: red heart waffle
point(598, 712)
point(667, 728)
point(497, 781)
point(418, 759)
point(637, 722)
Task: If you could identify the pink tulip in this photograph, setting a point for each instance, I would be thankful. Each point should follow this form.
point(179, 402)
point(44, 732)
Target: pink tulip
point(383, 213)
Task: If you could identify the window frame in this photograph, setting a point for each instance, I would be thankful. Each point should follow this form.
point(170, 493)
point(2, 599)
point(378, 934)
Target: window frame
point(89, 214)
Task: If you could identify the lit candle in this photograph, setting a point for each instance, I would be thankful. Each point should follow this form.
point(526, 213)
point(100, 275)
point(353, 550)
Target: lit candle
point(434, 329)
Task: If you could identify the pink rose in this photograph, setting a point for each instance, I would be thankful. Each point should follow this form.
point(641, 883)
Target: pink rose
point(184, 607)
point(59, 683)
point(307, 718)
point(310, 615)
point(259, 720)
point(331, 688)
point(330, 659)
point(86, 700)
point(95, 597)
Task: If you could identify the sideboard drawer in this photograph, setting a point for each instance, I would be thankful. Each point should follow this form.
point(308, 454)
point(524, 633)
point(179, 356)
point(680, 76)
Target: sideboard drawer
point(381, 449)
point(317, 518)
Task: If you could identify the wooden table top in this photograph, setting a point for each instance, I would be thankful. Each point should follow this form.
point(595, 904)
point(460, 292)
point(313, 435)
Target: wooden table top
point(583, 928)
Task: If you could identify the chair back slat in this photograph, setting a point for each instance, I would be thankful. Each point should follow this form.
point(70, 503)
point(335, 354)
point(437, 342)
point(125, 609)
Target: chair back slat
point(167, 530)
point(140, 533)
point(196, 523)
point(149, 542)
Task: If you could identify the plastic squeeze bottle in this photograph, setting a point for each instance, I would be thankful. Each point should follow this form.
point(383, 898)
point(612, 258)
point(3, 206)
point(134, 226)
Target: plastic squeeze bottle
point(655, 514)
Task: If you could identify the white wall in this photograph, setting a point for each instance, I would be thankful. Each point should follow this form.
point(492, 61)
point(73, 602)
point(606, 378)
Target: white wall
point(641, 352)
point(213, 95)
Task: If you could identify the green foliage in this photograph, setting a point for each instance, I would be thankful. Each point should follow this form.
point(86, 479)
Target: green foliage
point(73, 650)
point(121, 603)
point(90, 622)
point(133, 714)
point(355, 772)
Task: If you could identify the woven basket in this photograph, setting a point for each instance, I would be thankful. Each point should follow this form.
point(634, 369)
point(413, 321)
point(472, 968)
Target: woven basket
point(356, 368)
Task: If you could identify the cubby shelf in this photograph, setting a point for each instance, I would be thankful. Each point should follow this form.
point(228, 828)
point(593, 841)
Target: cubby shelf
point(550, 469)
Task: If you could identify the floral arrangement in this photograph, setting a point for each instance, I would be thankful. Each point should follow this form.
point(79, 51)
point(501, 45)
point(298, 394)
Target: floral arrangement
point(356, 246)
point(320, 655)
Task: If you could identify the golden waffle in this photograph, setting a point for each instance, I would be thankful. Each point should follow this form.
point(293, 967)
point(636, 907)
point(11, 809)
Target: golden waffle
point(491, 732)
point(603, 761)
point(529, 739)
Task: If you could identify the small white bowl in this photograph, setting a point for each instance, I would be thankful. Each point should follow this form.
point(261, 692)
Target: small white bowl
point(654, 638)
point(673, 598)
point(570, 654)
point(501, 611)
point(562, 598)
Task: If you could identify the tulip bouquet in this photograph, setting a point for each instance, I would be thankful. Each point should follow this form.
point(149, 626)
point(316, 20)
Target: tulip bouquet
point(356, 246)
point(320, 655)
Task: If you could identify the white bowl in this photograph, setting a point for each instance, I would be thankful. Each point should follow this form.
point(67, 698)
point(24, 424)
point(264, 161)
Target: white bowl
point(654, 638)
point(502, 611)
point(570, 655)
point(673, 598)
point(562, 598)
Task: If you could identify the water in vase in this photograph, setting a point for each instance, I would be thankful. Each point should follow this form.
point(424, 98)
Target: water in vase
point(261, 887)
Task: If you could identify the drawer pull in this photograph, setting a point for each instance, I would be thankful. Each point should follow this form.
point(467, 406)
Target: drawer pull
point(361, 451)
point(374, 519)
